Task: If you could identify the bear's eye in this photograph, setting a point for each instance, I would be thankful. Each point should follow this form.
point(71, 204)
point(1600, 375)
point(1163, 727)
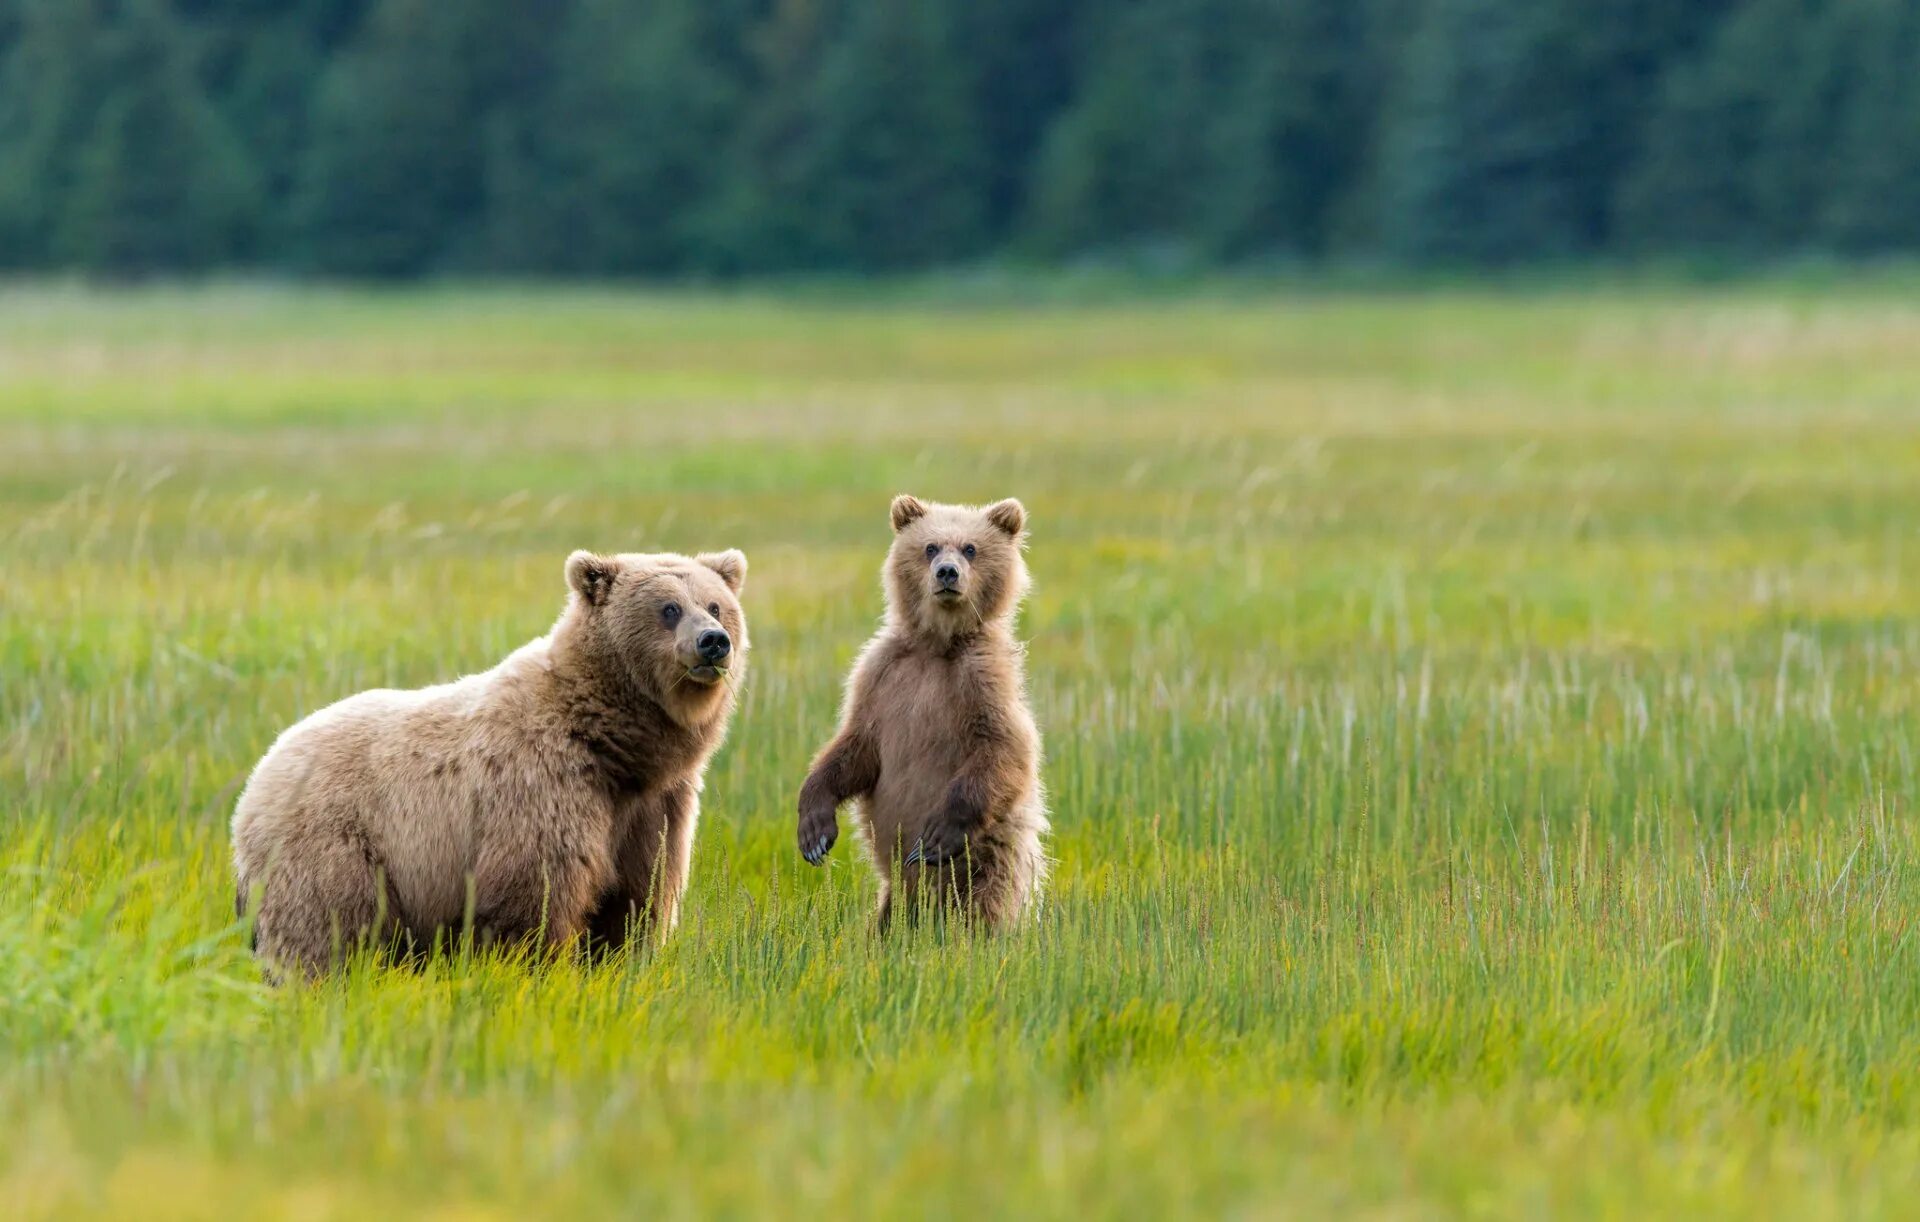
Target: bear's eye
point(933, 549)
point(671, 614)
point(967, 551)
point(713, 609)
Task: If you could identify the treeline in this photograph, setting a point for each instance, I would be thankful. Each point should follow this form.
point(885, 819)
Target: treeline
point(673, 137)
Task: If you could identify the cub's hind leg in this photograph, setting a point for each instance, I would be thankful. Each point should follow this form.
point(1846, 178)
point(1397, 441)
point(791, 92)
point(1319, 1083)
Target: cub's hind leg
point(1005, 882)
point(991, 884)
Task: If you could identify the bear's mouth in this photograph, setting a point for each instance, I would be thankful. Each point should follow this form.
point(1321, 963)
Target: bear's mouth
point(946, 596)
point(706, 673)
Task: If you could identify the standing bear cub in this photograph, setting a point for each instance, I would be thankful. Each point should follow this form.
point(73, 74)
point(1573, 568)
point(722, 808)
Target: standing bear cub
point(936, 744)
point(551, 797)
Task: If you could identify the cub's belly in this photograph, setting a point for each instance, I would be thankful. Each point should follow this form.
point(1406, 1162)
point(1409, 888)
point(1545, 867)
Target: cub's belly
point(912, 790)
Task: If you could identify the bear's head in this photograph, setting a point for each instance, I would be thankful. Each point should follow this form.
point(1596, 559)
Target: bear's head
point(954, 568)
point(670, 625)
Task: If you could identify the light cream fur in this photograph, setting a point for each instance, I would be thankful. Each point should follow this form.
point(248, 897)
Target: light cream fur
point(553, 796)
point(937, 747)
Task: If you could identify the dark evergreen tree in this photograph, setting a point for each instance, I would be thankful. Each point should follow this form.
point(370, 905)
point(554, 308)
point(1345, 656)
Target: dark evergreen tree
point(407, 137)
point(1221, 127)
point(1127, 163)
point(159, 182)
point(1289, 139)
point(262, 65)
point(1690, 188)
point(618, 162)
point(1020, 58)
point(50, 74)
point(1741, 152)
point(1488, 143)
point(757, 219)
point(1873, 195)
point(395, 180)
point(893, 170)
point(1800, 64)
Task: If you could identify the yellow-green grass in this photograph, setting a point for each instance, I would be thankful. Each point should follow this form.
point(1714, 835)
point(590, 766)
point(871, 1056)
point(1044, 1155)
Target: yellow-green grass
point(1481, 739)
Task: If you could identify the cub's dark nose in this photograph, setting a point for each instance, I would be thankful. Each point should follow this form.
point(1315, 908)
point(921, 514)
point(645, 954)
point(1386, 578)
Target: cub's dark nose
point(948, 574)
point(713, 645)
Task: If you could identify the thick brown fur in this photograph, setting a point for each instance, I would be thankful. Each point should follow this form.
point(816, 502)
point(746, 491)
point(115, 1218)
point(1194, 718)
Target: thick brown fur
point(551, 797)
point(936, 747)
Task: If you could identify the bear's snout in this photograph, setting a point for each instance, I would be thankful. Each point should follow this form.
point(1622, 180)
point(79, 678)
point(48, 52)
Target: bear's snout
point(949, 580)
point(713, 645)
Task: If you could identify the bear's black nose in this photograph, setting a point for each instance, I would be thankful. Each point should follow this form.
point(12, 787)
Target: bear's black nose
point(713, 645)
point(949, 574)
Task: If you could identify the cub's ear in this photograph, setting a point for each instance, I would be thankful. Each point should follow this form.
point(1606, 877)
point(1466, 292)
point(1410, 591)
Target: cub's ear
point(591, 576)
point(906, 511)
point(730, 564)
point(1009, 515)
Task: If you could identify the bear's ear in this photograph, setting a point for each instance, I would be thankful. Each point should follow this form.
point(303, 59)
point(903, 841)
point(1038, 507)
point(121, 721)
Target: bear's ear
point(591, 576)
point(906, 511)
point(1009, 515)
point(730, 564)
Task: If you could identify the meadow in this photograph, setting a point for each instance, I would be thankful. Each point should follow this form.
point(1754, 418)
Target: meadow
point(1481, 735)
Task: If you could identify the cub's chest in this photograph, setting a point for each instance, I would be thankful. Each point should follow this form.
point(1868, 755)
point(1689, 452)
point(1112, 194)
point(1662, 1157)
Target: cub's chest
point(921, 708)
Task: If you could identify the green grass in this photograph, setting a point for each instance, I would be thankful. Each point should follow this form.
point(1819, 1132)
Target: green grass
point(1481, 737)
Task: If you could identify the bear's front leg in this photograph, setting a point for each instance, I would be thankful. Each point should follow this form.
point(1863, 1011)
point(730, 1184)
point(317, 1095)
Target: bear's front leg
point(944, 838)
point(540, 888)
point(847, 768)
point(986, 785)
point(650, 869)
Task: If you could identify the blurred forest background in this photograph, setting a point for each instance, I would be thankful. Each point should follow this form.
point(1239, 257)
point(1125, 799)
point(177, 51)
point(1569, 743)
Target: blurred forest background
point(397, 138)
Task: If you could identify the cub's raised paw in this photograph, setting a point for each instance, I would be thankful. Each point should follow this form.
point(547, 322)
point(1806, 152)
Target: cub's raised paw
point(817, 837)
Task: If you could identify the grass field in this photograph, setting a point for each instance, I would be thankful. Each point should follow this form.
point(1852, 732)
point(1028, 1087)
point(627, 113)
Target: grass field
point(1481, 738)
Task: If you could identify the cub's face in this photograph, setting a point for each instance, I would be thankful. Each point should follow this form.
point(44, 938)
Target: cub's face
point(953, 567)
point(672, 622)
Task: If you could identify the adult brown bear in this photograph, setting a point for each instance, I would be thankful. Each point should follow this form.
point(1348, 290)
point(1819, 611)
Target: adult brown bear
point(552, 796)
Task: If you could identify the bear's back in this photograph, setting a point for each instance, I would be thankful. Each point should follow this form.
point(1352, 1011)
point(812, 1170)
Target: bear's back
point(394, 767)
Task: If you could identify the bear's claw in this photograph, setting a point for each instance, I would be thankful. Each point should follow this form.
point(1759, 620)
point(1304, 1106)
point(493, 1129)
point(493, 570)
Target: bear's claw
point(938, 852)
point(815, 851)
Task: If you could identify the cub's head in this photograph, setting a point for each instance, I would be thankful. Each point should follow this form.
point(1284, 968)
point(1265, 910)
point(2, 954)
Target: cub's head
point(953, 568)
point(669, 624)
